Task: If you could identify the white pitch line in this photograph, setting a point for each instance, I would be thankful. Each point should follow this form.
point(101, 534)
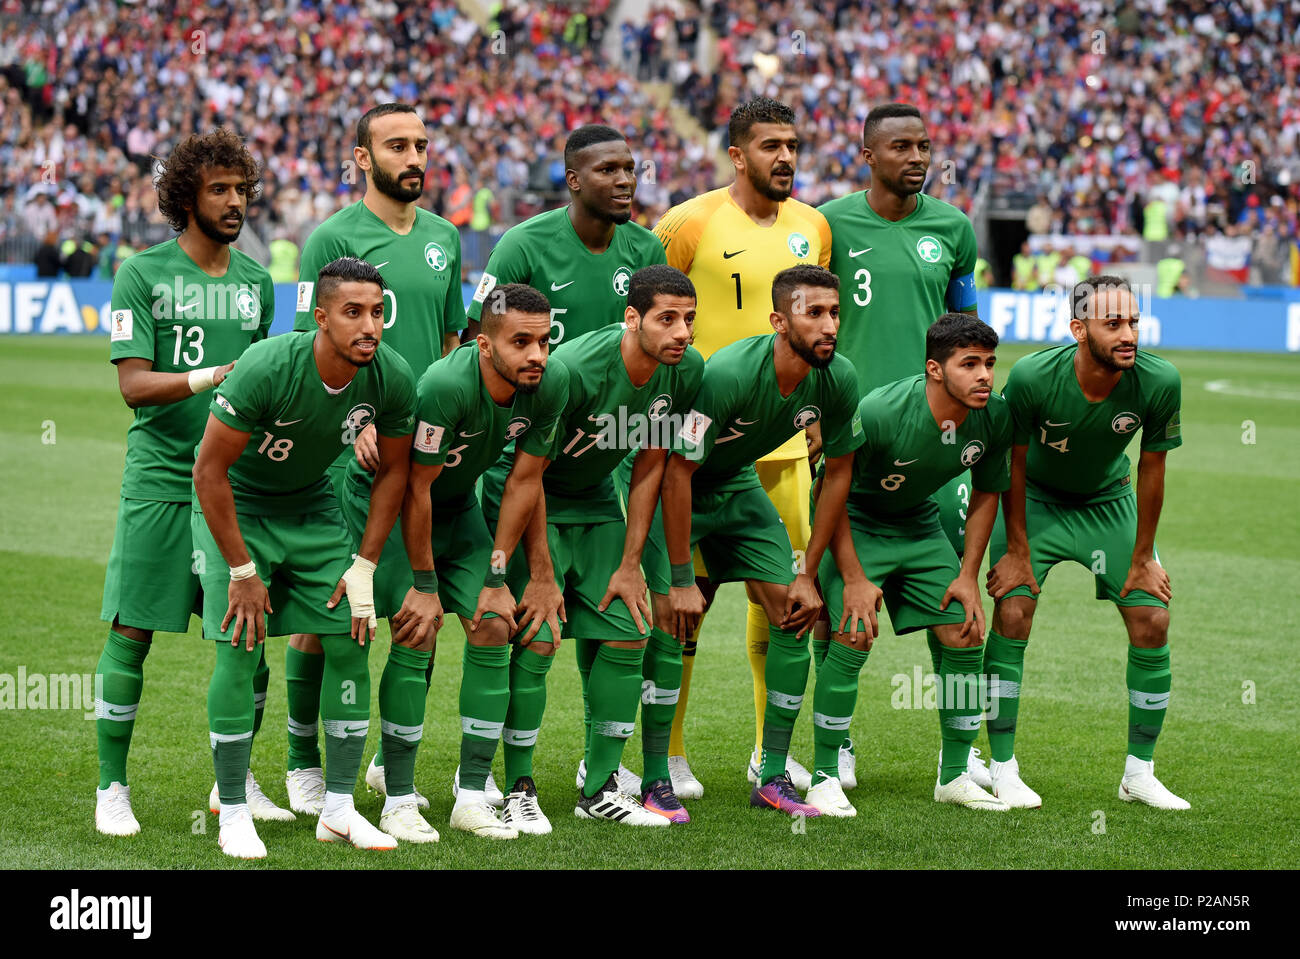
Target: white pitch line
point(1254, 392)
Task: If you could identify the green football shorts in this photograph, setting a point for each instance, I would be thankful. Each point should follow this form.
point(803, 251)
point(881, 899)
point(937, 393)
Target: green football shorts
point(739, 536)
point(299, 558)
point(462, 549)
point(1099, 537)
point(912, 571)
point(585, 556)
point(151, 581)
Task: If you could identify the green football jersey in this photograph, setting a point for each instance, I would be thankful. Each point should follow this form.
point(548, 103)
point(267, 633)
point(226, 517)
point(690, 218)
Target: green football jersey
point(421, 271)
point(1076, 447)
point(586, 290)
point(739, 414)
point(604, 418)
point(299, 425)
point(905, 457)
point(168, 311)
point(460, 426)
point(896, 278)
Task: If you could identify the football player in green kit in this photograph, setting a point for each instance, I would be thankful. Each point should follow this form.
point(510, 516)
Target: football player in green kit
point(919, 433)
point(581, 257)
point(627, 383)
point(903, 258)
point(471, 404)
point(182, 313)
point(418, 254)
point(757, 393)
point(272, 541)
point(1076, 409)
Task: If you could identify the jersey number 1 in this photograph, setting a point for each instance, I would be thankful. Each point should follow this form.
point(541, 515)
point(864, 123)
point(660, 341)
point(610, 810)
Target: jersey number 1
point(736, 277)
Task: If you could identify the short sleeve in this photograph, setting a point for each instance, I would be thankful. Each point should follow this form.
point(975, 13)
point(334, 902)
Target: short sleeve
point(824, 233)
point(244, 397)
point(842, 430)
point(453, 310)
point(508, 263)
point(545, 408)
point(316, 252)
point(397, 418)
point(437, 414)
point(131, 323)
point(1017, 394)
point(268, 309)
point(679, 231)
point(1162, 426)
point(712, 406)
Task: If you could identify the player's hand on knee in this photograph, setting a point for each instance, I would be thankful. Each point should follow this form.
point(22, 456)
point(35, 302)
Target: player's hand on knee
point(1150, 577)
point(686, 608)
point(1012, 570)
point(965, 591)
point(358, 583)
point(249, 601)
point(862, 601)
point(542, 603)
point(803, 605)
point(421, 615)
point(366, 448)
point(628, 584)
point(499, 600)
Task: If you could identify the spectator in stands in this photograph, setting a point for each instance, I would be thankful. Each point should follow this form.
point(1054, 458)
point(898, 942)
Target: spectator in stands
point(49, 261)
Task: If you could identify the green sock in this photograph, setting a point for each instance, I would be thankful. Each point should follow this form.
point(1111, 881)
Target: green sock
point(835, 695)
point(345, 710)
point(1004, 663)
point(121, 666)
point(401, 716)
point(587, 650)
point(302, 674)
point(959, 707)
point(1149, 681)
point(820, 647)
point(484, 702)
point(230, 718)
point(261, 680)
point(661, 684)
point(428, 681)
point(936, 651)
point(787, 677)
point(615, 687)
point(524, 714)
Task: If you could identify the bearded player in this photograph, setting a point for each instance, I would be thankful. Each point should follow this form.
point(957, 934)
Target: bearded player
point(732, 242)
point(1076, 408)
point(418, 254)
point(183, 311)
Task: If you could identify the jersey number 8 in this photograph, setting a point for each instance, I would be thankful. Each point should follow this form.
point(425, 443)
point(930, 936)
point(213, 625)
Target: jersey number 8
point(893, 481)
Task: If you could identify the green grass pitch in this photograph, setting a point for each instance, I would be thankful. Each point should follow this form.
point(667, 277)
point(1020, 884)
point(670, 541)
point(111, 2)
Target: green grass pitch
point(1228, 536)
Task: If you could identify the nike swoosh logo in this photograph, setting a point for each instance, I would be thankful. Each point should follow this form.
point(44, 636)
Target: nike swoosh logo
point(290, 423)
point(377, 266)
point(477, 728)
point(124, 712)
point(728, 256)
point(859, 252)
point(908, 463)
point(556, 288)
point(186, 309)
point(740, 422)
point(354, 732)
point(471, 435)
point(1050, 423)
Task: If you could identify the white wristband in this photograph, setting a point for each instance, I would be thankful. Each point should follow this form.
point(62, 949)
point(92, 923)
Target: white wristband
point(201, 380)
point(247, 571)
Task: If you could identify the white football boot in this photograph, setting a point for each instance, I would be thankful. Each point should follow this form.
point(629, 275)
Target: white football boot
point(617, 806)
point(306, 789)
point(523, 811)
point(685, 785)
point(1140, 785)
point(404, 822)
point(493, 792)
point(1010, 788)
point(963, 791)
point(350, 826)
point(474, 814)
point(113, 816)
point(238, 836)
point(827, 795)
point(848, 766)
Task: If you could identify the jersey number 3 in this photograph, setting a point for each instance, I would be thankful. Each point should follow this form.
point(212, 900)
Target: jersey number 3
point(862, 295)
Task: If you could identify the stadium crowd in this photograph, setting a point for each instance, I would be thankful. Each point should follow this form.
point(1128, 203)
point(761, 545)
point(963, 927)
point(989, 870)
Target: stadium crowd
point(1165, 121)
